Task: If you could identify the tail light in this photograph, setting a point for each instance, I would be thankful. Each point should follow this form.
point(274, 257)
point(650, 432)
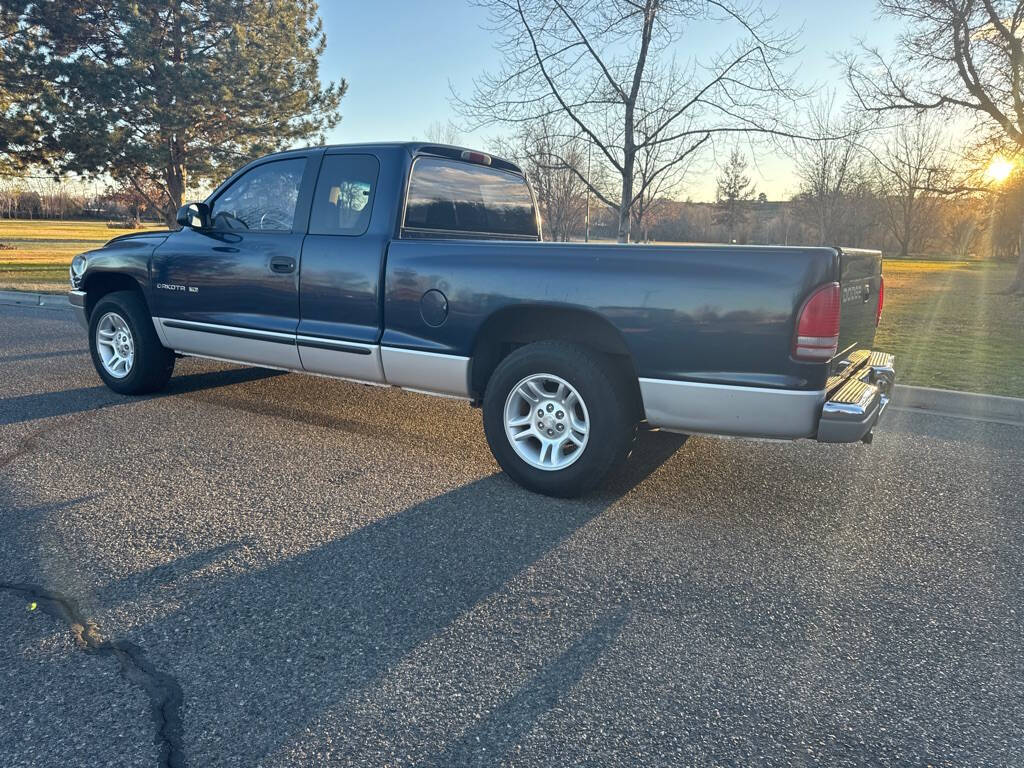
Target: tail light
point(881, 299)
point(817, 330)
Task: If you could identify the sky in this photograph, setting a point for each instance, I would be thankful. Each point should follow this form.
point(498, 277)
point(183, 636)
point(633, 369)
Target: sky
point(402, 58)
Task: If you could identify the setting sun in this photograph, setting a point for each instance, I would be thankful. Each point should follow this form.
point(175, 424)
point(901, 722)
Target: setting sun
point(999, 169)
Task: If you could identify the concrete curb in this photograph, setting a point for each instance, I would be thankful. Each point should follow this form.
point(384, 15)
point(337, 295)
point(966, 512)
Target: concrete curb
point(967, 404)
point(28, 299)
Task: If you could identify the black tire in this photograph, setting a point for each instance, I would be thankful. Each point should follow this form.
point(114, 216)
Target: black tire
point(153, 363)
point(609, 406)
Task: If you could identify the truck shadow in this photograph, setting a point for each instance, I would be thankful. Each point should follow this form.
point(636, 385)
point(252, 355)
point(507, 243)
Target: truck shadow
point(511, 721)
point(316, 632)
point(42, 405)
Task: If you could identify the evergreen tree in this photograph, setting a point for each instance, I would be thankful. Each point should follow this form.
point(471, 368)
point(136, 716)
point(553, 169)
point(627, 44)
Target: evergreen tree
point(734, 190)
point(165, 93)
point(19, 139)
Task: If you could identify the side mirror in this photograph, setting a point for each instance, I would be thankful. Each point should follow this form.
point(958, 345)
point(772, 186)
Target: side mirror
point(194, 215)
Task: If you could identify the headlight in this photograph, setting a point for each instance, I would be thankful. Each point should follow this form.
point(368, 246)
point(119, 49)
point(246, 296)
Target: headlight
point(77, 270)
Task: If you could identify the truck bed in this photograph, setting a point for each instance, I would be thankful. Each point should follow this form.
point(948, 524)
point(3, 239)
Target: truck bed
point(713, 314)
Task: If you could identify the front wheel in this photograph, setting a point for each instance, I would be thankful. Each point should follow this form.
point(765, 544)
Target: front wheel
point(125, 349)
point(557, 417)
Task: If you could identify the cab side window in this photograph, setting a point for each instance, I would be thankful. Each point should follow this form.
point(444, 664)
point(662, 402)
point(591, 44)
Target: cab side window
point(343, 201)
point(261, 200)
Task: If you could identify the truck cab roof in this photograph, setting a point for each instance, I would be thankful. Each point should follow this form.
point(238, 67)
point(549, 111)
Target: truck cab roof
point(413, 148)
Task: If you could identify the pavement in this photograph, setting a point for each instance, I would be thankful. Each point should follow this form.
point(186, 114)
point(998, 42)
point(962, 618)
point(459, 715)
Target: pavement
point(264, 569)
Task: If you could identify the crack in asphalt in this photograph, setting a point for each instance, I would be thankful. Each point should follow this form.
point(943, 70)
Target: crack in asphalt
point(164, 693)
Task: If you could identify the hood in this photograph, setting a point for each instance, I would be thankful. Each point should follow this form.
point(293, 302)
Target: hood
point(157, 236)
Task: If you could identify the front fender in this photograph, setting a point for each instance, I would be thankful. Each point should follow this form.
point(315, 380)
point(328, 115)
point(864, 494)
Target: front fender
point(123, 257)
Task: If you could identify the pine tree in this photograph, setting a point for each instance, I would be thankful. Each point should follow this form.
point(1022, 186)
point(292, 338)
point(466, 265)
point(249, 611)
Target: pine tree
point(168, 93)
point(734, 190)
point(19, 138)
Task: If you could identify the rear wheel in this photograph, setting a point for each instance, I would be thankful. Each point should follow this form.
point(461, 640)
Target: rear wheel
point(125, 349)
point(557, 417)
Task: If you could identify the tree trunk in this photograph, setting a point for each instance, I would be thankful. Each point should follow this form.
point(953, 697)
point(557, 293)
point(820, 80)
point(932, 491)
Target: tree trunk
point(625, 207)
point(1017, 286)
point(174, 176)
point(175, 171)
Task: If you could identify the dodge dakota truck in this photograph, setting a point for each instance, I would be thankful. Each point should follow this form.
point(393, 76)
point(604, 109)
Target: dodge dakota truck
point(421, 266)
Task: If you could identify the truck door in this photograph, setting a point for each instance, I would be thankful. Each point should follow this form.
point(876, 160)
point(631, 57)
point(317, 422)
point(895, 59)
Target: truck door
point(230, 289)
point(339, 286)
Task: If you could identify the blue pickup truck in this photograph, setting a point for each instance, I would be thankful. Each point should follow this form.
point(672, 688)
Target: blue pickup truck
point(420, 266)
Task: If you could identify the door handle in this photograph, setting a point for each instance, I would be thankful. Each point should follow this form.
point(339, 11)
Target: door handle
point(282, 264)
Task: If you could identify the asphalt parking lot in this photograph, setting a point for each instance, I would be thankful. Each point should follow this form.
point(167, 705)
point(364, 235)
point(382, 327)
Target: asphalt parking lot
point(257, 569)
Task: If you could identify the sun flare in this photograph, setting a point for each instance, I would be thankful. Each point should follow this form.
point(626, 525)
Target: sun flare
point(999, 169)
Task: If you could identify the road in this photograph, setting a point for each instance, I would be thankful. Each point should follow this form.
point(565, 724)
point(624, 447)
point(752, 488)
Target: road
point(259, 569)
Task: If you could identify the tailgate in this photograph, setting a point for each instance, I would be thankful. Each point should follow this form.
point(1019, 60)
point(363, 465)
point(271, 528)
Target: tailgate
point(860, 276)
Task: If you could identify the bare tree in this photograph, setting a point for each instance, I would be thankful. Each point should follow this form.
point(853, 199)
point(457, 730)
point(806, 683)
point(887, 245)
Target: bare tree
point(734, 190)
point(1005, 212)
point(656, 178)
point(959, 56)
point(443, 133)
point(908, 169)
point(126, 193)
point(609, 67)
point(831, 170)
point(964, 225)
point(555, 166)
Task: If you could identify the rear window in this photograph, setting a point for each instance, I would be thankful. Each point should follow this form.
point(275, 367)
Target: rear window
point(449, 196)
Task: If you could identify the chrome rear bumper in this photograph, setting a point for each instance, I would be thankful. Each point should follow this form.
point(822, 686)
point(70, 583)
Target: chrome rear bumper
point(861, 396)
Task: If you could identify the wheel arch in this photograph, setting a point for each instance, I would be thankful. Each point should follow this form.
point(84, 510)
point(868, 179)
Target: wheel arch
point(509, 328)
point(100, 284)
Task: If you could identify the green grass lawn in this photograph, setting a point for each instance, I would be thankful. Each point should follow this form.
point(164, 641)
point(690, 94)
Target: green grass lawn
point(945, 321)
point(34, 255)
point(950, 326)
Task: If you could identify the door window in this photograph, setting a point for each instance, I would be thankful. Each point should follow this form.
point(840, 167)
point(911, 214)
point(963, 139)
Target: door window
point(261, 200)
point(343, 200)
